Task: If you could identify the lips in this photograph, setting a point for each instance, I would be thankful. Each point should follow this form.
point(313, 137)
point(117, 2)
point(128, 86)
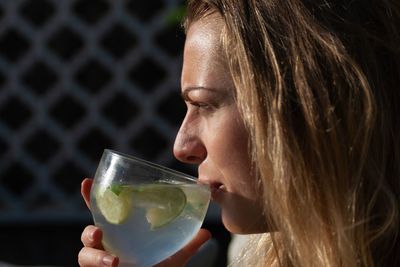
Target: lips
point(216, 185)
point(216, 189)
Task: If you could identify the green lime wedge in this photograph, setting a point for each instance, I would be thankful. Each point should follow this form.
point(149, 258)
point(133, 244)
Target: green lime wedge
point(163, 203)
point(115, 203)
point(197, 201)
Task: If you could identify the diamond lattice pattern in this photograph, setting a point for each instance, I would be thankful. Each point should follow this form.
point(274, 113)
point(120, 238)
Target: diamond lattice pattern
point(77, 77)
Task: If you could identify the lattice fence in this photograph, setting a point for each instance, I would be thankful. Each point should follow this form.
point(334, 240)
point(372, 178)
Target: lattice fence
point(77, 77)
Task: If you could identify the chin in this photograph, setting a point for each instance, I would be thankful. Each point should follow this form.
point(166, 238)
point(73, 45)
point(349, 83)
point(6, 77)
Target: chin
point(237, 224)
point(242, 215)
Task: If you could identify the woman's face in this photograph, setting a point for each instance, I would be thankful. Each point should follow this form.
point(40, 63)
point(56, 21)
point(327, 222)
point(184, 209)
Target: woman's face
point(212, 134)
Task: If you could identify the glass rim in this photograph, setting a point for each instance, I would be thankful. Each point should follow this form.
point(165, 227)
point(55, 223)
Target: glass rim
point(151, 164)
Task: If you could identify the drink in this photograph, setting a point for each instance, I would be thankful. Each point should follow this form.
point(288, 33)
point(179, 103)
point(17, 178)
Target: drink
point(144, 222)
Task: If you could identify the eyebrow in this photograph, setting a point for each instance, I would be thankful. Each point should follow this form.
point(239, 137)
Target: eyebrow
point(187, 90)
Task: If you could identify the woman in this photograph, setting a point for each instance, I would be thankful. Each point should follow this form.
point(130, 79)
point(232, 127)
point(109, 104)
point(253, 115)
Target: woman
point(293, 121)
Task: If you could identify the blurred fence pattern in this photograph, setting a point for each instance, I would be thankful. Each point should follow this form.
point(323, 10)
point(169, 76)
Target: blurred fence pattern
point(77, 77)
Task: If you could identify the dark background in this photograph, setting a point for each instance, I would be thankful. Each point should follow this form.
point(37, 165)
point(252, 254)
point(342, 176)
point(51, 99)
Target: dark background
point(77, 77)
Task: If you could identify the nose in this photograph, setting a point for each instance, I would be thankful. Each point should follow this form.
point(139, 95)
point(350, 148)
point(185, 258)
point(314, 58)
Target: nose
point(189, 148)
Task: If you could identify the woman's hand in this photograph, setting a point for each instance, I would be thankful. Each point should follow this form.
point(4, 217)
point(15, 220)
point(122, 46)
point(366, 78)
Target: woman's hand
point(93, 253)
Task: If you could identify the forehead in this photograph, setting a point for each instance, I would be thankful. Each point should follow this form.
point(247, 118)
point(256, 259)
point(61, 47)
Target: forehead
point(204, 36)
point(204, 62)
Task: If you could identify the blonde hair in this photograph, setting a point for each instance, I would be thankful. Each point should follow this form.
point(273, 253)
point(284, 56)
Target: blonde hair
point(317, 83)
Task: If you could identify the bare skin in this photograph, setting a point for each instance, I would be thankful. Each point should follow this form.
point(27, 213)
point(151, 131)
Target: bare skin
point(213, 135)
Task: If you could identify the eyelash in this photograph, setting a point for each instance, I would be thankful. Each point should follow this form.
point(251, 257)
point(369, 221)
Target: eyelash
point(201, 106)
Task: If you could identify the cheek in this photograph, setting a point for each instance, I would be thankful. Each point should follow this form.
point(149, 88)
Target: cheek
point(242, 210)
point(230, 144)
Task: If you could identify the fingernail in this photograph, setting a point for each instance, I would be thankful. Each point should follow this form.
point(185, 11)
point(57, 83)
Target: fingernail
point(91, 236)
point(108, 260)
point(83, 181)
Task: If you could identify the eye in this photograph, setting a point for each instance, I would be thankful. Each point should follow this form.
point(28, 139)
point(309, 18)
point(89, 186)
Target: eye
point(200, 105)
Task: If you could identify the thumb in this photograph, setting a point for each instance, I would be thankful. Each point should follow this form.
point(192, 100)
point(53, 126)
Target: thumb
point(86, 185)
point(182, 256)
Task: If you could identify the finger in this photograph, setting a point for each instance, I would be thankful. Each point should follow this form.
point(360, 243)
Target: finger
point(86, 185)
point(91, 237)
point(182, 256)
point(90, 257)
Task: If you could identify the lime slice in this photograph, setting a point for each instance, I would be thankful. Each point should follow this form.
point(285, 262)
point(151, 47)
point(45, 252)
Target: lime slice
point(115, 203)
point(163, 203)
point(198, 199)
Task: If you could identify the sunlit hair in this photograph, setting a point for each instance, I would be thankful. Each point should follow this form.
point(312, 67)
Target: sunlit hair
point(318, 85)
